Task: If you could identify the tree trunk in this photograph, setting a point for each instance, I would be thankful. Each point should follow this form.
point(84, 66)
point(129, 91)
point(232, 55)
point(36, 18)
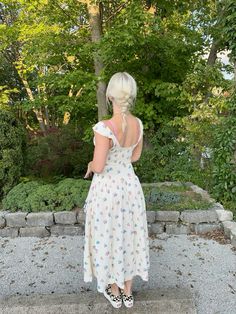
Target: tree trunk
point(96, 34)
point(38, 112)
point(235, 73)
point(213, 54)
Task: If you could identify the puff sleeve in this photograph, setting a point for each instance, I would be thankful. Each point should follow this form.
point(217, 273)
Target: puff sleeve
point(102, 129)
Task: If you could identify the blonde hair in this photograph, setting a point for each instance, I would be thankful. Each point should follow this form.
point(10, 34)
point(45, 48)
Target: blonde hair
point(122, 88)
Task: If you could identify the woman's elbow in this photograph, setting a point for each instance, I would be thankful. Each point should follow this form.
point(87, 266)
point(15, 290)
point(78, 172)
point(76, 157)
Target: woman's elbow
point(133, 159)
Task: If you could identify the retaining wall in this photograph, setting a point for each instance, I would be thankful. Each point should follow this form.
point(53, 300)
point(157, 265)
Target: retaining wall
point(44, 224)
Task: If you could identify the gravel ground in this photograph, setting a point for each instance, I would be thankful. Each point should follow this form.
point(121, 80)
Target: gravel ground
point(54, 265)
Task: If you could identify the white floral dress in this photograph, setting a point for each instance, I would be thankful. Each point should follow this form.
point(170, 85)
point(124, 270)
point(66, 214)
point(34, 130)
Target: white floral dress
point(116, 245)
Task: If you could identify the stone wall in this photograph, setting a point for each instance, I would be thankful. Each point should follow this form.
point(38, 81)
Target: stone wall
point(43, 224)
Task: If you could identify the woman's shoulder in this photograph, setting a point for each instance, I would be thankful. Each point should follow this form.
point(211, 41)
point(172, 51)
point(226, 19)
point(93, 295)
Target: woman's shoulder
point(101, 128)
point(114, 119)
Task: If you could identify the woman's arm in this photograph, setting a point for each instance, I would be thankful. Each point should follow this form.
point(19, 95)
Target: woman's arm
point(137, 151)
point(100, 153)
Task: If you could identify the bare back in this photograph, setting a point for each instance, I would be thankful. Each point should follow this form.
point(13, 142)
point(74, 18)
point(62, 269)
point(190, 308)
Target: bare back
point(132, 130)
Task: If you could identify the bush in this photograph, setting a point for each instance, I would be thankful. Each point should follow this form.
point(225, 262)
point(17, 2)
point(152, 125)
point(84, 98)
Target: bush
point(44, 198)
point(224, 160)
point(33, 196)
point(12, 142)
point(60, 153)
point(17, 197)
point(71, 193)
point(168, 159)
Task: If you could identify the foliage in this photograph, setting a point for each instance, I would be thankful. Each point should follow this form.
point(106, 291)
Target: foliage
point(17, 198)
point(163, 197)
point(33, 196)
point(12, 143)
point(168, 158)
point(47, 74)
point(61, 153)
point(54, 54)
point(173, 198)
point(229, 22)
point(224, 158)
point(69, 193)
point(4, 97)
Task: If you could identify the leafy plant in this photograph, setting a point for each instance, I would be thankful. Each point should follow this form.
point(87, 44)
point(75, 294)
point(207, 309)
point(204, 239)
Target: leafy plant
point(62, 152)
point(17, 199)
point(34, 196)
point(170, 198)
point(12, 143)
point(224, 170)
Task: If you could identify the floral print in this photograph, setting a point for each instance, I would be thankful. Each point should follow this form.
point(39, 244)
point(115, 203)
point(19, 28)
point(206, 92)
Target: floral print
point(116, 245)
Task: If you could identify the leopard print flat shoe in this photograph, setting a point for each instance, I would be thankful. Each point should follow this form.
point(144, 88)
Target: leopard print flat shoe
point(115, 300)
point(127, 299)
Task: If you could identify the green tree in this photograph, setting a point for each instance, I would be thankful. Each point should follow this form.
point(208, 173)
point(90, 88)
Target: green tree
point(12, 141)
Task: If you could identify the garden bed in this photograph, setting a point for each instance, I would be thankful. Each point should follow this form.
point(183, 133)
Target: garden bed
point(185, 220)
point(33, 196)
point(175, 196)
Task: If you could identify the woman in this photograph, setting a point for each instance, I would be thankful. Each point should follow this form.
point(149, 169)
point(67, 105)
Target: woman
point(116, 235)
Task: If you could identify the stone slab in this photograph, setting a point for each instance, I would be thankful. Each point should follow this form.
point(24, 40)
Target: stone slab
point(205, 227)
point(224, 215)
point(158, 301)
point(81, 216)
point(2, 222)
point(176, 228)
point(233, 238)
point(40, 219)
point(16, 219)
point(205, 195)
point(34, 232)
point(233, 233)
point(198, 216)
point(164, 215)
point(151, 215)
point(217, 206)
point(67, 230)
point(11, 232)
point(65, 217)
point(228, 226)
point(157, 227)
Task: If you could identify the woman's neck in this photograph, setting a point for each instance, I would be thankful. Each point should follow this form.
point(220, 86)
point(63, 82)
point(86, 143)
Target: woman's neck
point(120, 113)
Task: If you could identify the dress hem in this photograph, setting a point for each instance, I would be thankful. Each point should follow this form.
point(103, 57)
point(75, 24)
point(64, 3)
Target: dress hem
point(144, 278)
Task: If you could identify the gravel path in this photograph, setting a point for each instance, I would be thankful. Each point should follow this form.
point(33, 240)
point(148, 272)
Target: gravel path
point(54, 265)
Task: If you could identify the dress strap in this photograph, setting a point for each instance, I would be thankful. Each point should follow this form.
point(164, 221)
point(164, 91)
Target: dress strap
point(139, 131)
point(113, 127)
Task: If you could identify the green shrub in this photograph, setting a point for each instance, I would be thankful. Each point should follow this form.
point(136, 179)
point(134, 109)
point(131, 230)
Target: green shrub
point(60, 153)
point(163, 197)
point(71, 193)
point(224, 161)
point(34, 196)
point(44, 198)
point(18, 197)
point(12, 142)
point(166, 158)
point(173, 198)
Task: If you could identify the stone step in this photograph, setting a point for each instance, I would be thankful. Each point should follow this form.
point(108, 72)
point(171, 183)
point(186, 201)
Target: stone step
point(149, 301)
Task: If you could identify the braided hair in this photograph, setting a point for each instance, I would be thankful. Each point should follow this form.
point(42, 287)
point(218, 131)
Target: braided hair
point(123, 89)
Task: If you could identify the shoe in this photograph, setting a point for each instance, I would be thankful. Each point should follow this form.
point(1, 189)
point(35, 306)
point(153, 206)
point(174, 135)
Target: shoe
point(115, 300)
point(127, 299)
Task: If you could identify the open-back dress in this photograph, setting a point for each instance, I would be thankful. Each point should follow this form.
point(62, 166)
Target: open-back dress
point(116, 245)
